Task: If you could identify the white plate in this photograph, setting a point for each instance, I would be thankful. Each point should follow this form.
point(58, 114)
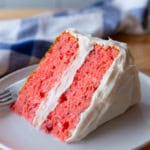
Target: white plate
point(125, 132)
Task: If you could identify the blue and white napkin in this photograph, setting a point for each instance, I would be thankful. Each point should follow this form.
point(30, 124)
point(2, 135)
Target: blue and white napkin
point(24, 41)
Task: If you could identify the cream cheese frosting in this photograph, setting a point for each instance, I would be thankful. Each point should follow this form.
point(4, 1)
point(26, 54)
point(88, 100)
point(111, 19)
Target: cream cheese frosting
point(118, 90)
point(111, 98)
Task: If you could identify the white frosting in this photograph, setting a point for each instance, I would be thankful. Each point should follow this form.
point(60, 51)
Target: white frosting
point(118, 90)
point(85, 46)
point(114, 95)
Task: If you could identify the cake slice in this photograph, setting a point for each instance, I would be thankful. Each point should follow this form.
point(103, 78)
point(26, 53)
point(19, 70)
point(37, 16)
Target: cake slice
point(81, 83)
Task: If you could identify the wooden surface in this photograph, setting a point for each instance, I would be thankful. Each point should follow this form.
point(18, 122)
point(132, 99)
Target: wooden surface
point(14, 14)
point(138, 44)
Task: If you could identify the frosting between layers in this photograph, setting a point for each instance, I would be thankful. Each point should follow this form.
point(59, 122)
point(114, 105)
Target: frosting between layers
point(85, 46)
point(113, 96)
point(104, 98)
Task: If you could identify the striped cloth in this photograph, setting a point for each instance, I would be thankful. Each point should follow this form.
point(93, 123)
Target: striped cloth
point(24, 41)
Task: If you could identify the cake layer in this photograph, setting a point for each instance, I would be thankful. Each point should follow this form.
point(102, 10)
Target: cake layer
point(64, 118)
point(46, 76)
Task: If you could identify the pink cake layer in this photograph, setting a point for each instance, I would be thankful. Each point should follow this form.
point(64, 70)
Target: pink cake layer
point(46, 76)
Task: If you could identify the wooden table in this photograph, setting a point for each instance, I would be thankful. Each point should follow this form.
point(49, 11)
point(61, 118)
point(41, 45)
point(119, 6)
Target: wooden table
point(138, 44)
point(140, 49)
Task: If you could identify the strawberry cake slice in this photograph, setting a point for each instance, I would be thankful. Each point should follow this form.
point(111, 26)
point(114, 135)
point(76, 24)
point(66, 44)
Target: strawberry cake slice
point(81, 83)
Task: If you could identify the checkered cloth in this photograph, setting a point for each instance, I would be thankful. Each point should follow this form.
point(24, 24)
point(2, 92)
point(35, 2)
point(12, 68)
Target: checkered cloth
point(24, 41)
